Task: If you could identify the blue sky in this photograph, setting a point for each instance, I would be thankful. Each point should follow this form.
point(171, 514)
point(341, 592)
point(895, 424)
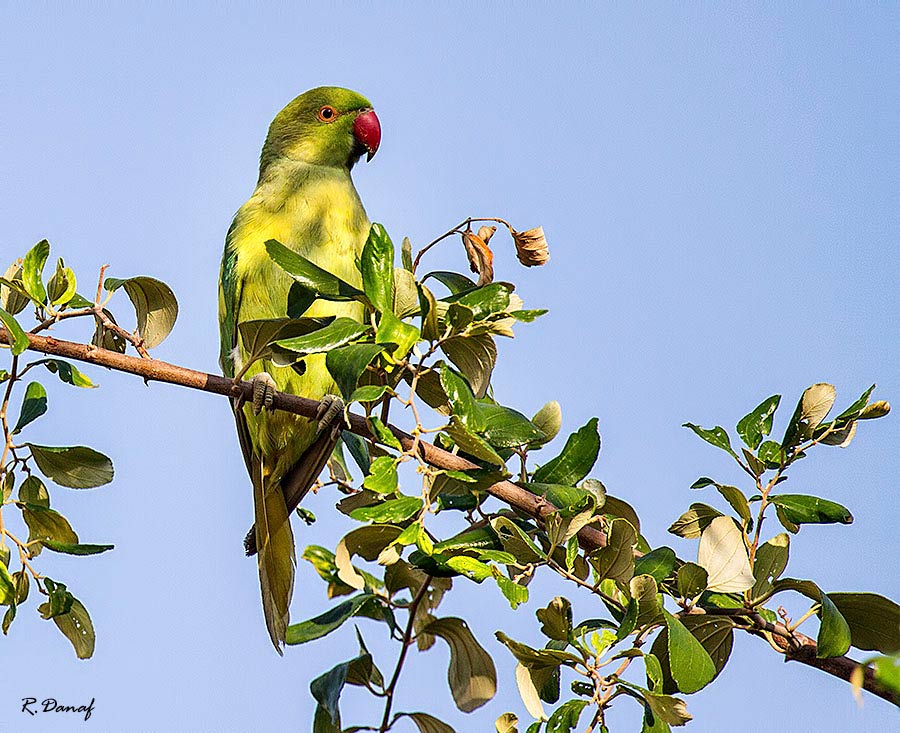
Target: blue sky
point(719, 186)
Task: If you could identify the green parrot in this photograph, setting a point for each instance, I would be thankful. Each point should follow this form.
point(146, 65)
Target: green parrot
point(306, 200)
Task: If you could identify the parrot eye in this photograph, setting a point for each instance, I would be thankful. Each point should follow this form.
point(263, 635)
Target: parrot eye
point(327, 114)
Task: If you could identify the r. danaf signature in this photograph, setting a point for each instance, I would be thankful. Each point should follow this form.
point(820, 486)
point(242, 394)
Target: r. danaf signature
point(31, 706)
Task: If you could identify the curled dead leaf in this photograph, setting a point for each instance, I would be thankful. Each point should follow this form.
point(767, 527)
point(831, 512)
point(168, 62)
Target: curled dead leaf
point(485, 233)
point(481, 259)
point(531, 246)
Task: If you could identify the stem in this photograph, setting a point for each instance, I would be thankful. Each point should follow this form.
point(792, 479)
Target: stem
point(407, 637)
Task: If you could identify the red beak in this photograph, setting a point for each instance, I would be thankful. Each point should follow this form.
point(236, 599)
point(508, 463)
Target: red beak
point(367, 130)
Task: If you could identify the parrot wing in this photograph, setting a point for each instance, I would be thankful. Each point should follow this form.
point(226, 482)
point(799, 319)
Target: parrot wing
point(273, 536)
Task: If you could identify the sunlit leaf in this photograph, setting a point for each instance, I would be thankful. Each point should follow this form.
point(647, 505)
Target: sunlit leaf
point(755, 425)
point(723, 554)
point(576, 460)
point(154, 305)
point(33, 270)
point(18, 340)
point(377, 266)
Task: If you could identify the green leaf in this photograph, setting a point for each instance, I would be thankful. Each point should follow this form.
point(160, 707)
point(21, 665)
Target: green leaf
point(643, 590)
point(714, 633)
point(339, 332)
point(393, 510)
point(75, 549)
point(565, 717)
point(326, 690)
point(299, 300)
point(59, 599)
point(515, 541)
point(874, 620)
point(368, 393)
point(377, 267)
point(77, 627)
point(18, 339)
point(33, 491)
point(46, 524)
point(691, 667)
point(690, 524)
point(771, 454)
point(311, 276)
point(462, 400)
point(391, 330)
point(692, 580)
point(616, 560)
point(347, 364)
point(723, 554)
point(470, 567)
point(714, 436)
point(426, 723)
point(503, 427)
point(382, 433)
point(576, 460)
point(67, 372)
point(514, 593)
point(802, 509)
point(154, 305)
point(323, 624)
point(556, 619)
point(658, 563)
point(771, 560)
point(755, 425)
point(484, 301)
point(815, 403)
point(358, 450)
point(857, 407)
point(382, 476)
point(834, 636)
point(669, 710)
point(475, 357)
point(406, 254)
point(453, 281)
point(428, 309)
point(33, 271)
point(536, 659)
point(34, 404)
point(76, 467)
point(61, 286)
point(470, 443)
point(472, 676)
point(735, 497)
point(406, 294)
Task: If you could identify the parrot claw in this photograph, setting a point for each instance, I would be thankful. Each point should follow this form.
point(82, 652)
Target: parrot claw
point(331, 415)
point(264, 390)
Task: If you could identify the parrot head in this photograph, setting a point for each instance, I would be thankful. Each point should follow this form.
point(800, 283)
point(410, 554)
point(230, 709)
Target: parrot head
point(327, 126)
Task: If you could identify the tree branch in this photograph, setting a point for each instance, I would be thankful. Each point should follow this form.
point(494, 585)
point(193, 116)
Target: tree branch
point(515, 496)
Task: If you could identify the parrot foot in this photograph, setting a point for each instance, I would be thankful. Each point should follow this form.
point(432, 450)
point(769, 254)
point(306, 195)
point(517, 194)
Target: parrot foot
point(331, 415)
point(264, 390)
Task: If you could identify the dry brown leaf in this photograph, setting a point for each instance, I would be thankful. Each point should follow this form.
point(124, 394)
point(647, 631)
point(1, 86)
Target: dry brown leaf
point(531, 247)
point(481, 259)
point(485, 233)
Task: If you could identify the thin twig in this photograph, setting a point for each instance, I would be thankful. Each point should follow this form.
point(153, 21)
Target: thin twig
point(407, 639)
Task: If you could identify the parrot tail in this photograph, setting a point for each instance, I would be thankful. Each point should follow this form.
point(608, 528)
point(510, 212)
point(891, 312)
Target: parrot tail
point(276, 558)
point(298, 480)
